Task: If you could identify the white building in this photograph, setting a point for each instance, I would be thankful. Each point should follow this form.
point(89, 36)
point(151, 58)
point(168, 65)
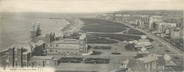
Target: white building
point(67, 47)
point(163, 26)
point(153, 21)
point(176, 33)
point(143, 42)
point(83, 36)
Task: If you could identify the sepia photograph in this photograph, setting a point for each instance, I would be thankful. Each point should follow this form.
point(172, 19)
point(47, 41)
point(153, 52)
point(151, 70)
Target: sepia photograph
point(91, 36)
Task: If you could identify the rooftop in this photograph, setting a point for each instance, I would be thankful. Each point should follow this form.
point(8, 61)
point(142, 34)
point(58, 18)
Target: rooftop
point(26, 46)
point(156, 16)
point(135, 65)
point(67, 46)
point(40, 42)
point(58, 34)
point(161, 61)
point(42, 57)
point(68, 41)
point(83, 36)
point(170, 63)
point(151, 57)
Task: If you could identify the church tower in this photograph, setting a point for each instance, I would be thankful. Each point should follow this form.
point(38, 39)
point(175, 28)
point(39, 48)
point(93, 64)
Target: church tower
point(38, 30)
point(33, 33)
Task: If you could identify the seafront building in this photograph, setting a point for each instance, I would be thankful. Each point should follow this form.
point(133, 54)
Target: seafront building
point(19, 55)
point(68, 46)
point(163, 26)
point(153, 21)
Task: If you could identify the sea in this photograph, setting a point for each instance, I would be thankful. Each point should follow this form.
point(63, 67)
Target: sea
point(15, 26)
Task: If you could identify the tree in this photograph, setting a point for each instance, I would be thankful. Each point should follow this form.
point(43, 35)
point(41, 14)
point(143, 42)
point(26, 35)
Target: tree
point(130, 47)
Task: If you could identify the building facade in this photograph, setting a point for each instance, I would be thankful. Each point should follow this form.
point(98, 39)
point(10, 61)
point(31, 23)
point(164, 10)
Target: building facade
point(162, 27)
point(43, 61)
point(67, 47)
point(153, 21)
point(18, 55)
point(176, 33)
point(150, 63)
point(35, 32)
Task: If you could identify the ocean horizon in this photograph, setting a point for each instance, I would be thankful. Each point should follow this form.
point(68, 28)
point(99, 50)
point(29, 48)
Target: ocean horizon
point(15, 27)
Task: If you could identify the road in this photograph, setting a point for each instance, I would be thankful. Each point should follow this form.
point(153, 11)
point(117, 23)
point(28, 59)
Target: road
point(168, 45)
point(112, 33)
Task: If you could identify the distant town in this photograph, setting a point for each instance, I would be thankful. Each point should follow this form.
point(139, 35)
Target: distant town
point(120, 41)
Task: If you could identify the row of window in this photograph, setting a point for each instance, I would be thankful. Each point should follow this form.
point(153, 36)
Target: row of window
point(68, 45)
point(56, 50)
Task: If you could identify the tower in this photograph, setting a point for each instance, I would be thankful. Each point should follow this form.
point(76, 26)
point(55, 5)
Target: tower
point(33, 33)
point(38, 30)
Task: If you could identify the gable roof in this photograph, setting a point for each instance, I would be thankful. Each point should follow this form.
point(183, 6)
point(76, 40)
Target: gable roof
point(40, 42)
point(26, 46)
point(42, 57)
point(136, 65)
point(161, 61)
point(149, 58)
point(170, 63)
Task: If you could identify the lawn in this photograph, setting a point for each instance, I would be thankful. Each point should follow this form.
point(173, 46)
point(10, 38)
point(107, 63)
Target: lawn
point(133, 31)
point(120, 37)
point(104, 38)
point(96, 25)
point(99, 40)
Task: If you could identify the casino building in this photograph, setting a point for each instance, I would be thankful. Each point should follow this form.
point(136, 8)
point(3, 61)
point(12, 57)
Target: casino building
point(68, 46)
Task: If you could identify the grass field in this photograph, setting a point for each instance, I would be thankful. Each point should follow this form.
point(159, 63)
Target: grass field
point(96, 25)
point(133, 31)
point(98, 40)
point(120, 37)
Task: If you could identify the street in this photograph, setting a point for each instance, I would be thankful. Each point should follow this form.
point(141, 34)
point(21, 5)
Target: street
point(172, 48)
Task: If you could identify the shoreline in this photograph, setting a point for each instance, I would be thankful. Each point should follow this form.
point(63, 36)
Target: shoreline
point(69, 28)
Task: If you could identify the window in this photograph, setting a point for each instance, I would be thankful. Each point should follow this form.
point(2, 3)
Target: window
point(15, 51)
point(16, 64)
point(50, 50)
point(81, 42)
point(15, 59)
point(25, 57)
point(7, 52)
point(8, 56)
point(24, 63)
point(47, 62)
point(159, 67)
point(7, 60)
point(72, 53)
point(81, 49)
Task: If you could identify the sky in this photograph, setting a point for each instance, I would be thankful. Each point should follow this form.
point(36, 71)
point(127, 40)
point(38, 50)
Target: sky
point(87, 6)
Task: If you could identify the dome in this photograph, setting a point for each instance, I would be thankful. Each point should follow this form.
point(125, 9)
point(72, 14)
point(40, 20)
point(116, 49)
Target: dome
point(143, 36)
point(167, 57)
